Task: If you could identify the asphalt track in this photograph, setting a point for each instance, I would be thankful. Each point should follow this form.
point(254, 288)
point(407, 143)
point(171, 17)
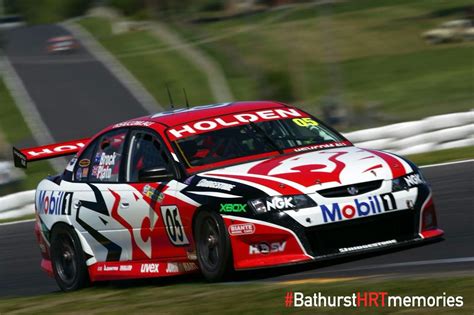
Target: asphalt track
point(75, 94)
point(453, 187)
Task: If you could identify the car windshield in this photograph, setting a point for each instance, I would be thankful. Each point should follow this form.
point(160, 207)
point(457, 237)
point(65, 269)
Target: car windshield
point(253, 139)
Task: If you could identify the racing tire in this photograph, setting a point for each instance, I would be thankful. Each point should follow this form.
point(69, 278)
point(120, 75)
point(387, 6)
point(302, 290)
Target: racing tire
point(213, 248)
point(68, 260)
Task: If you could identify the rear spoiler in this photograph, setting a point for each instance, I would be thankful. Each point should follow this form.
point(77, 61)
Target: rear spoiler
point(21, 157)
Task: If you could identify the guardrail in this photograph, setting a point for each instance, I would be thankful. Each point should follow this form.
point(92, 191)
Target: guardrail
point(17, 205)
point(429, 134)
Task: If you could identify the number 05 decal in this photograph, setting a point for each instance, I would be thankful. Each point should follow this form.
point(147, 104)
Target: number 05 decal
point(174, 225)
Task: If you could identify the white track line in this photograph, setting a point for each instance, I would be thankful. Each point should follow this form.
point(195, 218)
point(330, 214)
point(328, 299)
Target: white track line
point(447, 163)
point(17, 222)
point(405, 264)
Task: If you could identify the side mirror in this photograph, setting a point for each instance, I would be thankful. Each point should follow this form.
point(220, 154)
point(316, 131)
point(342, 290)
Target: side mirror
point(155, 174)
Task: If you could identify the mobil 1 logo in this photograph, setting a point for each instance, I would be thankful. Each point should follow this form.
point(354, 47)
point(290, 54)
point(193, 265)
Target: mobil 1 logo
point(174, 225)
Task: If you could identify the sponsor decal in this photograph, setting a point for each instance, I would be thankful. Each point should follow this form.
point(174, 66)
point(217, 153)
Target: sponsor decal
point(61, 148)
point(367, 246)
point(189, 266)
point(172, 268)
point(153, 194)
point(216, 185)
point(413, 180)
point(267, 248)
point(233, 207)
point(84, 163)
point(134, 123)
point(323, 146)
point(280, 203)
point(356, 209)
point(305, 122)
point(150, 268)
point(241, 229)
point(126, 268)
point(231, 121)
point(54, 202)
point(106, 164)
point(174, 225)
point(111, 268)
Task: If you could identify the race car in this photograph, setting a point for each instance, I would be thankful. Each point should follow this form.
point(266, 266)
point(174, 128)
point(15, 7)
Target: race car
point(62, 44)
point(217, 189)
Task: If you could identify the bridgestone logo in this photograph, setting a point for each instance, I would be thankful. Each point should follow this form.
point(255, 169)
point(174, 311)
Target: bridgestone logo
point(216, 185)
point(367, 246)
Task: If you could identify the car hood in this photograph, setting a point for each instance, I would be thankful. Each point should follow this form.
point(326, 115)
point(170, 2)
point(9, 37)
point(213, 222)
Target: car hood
point(312, 171)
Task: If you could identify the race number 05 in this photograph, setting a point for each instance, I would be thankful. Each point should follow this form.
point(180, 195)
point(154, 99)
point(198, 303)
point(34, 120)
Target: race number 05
point(174, 225)
point(305, 122)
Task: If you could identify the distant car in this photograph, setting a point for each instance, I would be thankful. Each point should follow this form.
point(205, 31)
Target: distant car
point(218, 188)
point(62, 44)
point(457, 30)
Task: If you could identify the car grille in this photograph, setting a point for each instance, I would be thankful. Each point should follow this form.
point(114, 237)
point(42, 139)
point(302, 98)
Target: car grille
point(341, 191)
point(327, 239)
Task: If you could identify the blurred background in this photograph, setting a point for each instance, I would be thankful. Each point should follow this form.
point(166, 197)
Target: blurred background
point(77, 65)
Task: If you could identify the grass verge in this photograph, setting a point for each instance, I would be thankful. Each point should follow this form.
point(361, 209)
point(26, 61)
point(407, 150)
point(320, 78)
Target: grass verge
point(369, 53)
point(156, 68)
point(442, 156)
point(235, 298)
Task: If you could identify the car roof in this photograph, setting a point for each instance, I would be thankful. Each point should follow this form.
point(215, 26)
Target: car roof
point(183, 115)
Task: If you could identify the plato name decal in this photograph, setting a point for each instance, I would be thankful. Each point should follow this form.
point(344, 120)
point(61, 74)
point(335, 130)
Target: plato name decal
point(232, 120)
point(54, 202)
point(356, 209)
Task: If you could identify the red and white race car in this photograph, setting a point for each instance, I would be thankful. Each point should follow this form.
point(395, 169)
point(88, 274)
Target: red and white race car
point(218, 188)
point(61, 44)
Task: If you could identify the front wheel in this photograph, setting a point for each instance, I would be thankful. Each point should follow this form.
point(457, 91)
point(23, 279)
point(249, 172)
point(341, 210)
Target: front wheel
point(213, 249)
point(67, 257)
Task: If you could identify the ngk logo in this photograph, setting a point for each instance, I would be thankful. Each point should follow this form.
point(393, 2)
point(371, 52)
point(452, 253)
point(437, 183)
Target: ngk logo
point(267, 248)
point(413, 180)
point(280, 203)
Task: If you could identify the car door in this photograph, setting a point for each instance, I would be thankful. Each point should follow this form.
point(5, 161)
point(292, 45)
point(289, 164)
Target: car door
point(100, 195)
point(159, 224)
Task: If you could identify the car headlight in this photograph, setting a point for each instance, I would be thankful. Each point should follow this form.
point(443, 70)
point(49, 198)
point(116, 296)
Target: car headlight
point(408, 181)
point(281, 203)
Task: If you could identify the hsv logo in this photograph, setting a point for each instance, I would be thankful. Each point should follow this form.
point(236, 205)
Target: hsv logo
point(241, 229)
point(231, 121)
point(357, 209)
point(149, 268)
point(280, 203)
point(267, 248)
point(54, 202)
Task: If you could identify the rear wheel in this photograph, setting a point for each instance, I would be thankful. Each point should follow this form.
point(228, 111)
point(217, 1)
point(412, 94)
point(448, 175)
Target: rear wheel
point(68, 261)
point(213, 249)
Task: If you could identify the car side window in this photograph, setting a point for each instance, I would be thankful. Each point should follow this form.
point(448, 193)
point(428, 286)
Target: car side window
point(146, 151)
point(83, 164)
point(105, 164)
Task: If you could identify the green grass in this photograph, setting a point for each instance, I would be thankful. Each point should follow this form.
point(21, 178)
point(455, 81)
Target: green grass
point(441, 156)
point(369, 52)
point(15, 131)
point(203, 298)
point(22, 218)
point(153, 63)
